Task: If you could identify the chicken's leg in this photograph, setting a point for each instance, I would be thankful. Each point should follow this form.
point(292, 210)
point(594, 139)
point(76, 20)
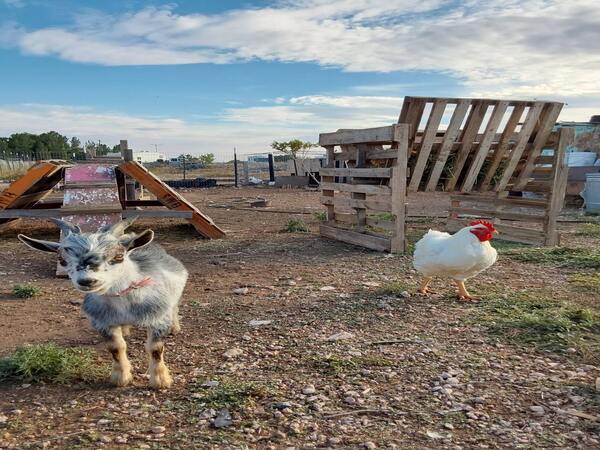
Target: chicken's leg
point(423, 289)
point(463, 294)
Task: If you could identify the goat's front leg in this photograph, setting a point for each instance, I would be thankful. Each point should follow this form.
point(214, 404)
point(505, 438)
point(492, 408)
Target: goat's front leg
point(121, 369)
point(175, 326)
point(160, 378)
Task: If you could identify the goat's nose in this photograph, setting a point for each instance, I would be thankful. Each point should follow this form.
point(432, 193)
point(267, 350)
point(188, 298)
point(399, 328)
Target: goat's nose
point(87, 282)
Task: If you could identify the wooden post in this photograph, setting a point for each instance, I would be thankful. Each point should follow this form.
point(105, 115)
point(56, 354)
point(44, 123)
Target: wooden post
point(329, 179)
point(235, 167)
point(398, 185)
point(127, 155)
point(271, 168)
point(559, 185)
point(361, 213)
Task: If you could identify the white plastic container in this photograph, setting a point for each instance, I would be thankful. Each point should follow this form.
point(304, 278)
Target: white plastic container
point(581, 159)
point(591, 192)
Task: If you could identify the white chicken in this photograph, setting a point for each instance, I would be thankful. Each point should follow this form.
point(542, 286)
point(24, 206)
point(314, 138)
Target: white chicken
point(459, 256)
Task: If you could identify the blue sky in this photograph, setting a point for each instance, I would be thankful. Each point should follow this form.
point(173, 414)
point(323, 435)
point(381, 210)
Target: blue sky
point(200, 76)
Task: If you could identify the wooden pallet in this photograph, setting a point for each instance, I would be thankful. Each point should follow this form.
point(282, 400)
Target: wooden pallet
point(361, 180)
point(485, 141)
point(518, 219)
point(483, 147)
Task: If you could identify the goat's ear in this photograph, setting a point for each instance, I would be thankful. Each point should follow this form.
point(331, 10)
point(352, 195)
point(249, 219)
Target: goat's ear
point(37, 244)
point(118, 229)
point(133, 241)
point(66, 227)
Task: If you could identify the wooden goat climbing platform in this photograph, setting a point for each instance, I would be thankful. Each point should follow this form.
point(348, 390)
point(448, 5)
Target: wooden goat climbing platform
point(95, 194)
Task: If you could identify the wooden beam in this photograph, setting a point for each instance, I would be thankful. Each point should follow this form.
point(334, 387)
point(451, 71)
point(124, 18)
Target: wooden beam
point(358, 173)
point(58, 212)
point(33, 176)
point(358, 136)
point(376, 204)
point(378, 243)
point(398, 185)
point(361, 188)
point(154, 214)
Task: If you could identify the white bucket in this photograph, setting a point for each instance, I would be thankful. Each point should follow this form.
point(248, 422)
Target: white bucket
point(591, 192)
point(581, 159)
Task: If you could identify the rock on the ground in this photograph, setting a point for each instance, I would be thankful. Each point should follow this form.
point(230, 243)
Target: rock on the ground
point(233, 352)
point(223, 419)
point(241, 291)
point(342, 335)
point(537, 410)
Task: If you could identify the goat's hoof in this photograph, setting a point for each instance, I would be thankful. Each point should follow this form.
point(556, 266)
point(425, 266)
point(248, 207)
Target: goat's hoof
point(120, 378)
point(126, 330)
point(161, 378)
point(175, 329)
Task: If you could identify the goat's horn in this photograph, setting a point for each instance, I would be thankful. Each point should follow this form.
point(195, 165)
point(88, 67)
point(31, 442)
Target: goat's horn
point(66, 227)
point(118, 229)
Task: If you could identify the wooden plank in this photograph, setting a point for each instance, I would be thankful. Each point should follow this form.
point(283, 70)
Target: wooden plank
point(503, 145)
point(171, 199)
point(328, 179)
point(508, 201)
point(381, 244)
point(411, 114)
point(143, 203)
point(375, 204)
point(361, 213)
point(357, 173)
point(355, 136)
point(398, 185)
point(507, 215)
point(447, 143)
point(32, 177)
point(425, 148)
point(505, 232)
point(526, 130)
point(54, 212)
point(549, 118)
point(361, 188)
point(484, 146)
point(559, 185)
point(468, 140)
point(147, 214)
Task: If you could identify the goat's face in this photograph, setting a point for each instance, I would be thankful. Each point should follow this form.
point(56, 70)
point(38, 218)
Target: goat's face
point(94, 261)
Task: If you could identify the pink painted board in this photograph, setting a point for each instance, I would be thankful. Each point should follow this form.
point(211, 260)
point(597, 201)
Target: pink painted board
point(90, 173)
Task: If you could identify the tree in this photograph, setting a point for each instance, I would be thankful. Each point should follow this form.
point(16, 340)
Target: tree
point(75, 144)
point(292, 148)
point(207, 159)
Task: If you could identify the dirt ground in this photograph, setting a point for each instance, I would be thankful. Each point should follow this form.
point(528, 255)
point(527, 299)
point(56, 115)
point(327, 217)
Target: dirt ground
point(407, 372)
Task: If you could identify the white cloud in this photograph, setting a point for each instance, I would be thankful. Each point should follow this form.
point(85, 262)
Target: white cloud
point(496, 47)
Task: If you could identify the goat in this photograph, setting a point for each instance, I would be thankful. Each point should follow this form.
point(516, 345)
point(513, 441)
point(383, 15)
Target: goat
point(127, 281)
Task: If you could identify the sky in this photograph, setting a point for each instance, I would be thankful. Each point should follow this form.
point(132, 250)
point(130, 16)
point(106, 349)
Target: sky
point(206, 76)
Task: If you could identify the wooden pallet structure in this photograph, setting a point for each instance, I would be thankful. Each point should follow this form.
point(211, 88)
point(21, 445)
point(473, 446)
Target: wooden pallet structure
point(96, 193)
point(487, 152)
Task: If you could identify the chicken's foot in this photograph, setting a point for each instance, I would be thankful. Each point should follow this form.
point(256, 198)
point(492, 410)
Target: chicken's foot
point(463, 294)
point(423, 289)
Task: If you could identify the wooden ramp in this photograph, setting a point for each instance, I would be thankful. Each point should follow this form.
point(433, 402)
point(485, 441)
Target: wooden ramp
point(171, 199)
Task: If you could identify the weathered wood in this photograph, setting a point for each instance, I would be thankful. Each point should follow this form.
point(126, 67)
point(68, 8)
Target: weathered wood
point(447, 143)
point(358, 173)
point(361, 188)
point(351, 237)
point(363, 136)
point(55, 212)
point(154, 214)
point(425, 148)
point(550, 116)
point(559, 185)
point(530, 122)
point(506, 232)
point(329, 180)
point(171, 199)
point(411, 114)
point(479, 212)
point(507, 201)
point(472, 126)
point(34, 176)
point(375, 204)
point(503, 145)
point(484, 146)
point(398, 185)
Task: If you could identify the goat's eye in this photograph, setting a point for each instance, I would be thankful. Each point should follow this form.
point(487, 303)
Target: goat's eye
point(62, 261)
point(116, 260)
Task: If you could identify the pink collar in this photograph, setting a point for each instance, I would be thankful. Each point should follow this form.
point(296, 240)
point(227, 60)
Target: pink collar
point(135, 285)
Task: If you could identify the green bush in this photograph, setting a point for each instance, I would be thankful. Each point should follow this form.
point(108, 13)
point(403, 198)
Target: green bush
point(296, 226)
point(25, 291)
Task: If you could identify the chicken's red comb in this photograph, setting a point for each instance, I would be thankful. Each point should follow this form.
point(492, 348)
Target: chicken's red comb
point(489, 225)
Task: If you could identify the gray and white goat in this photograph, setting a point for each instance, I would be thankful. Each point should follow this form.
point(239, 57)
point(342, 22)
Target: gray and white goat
point(127, 281)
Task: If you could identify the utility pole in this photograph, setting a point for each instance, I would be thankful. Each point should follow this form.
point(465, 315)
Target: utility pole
point(235, 167)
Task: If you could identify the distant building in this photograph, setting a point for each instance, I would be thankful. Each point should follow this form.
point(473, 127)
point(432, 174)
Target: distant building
point(145, 156)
